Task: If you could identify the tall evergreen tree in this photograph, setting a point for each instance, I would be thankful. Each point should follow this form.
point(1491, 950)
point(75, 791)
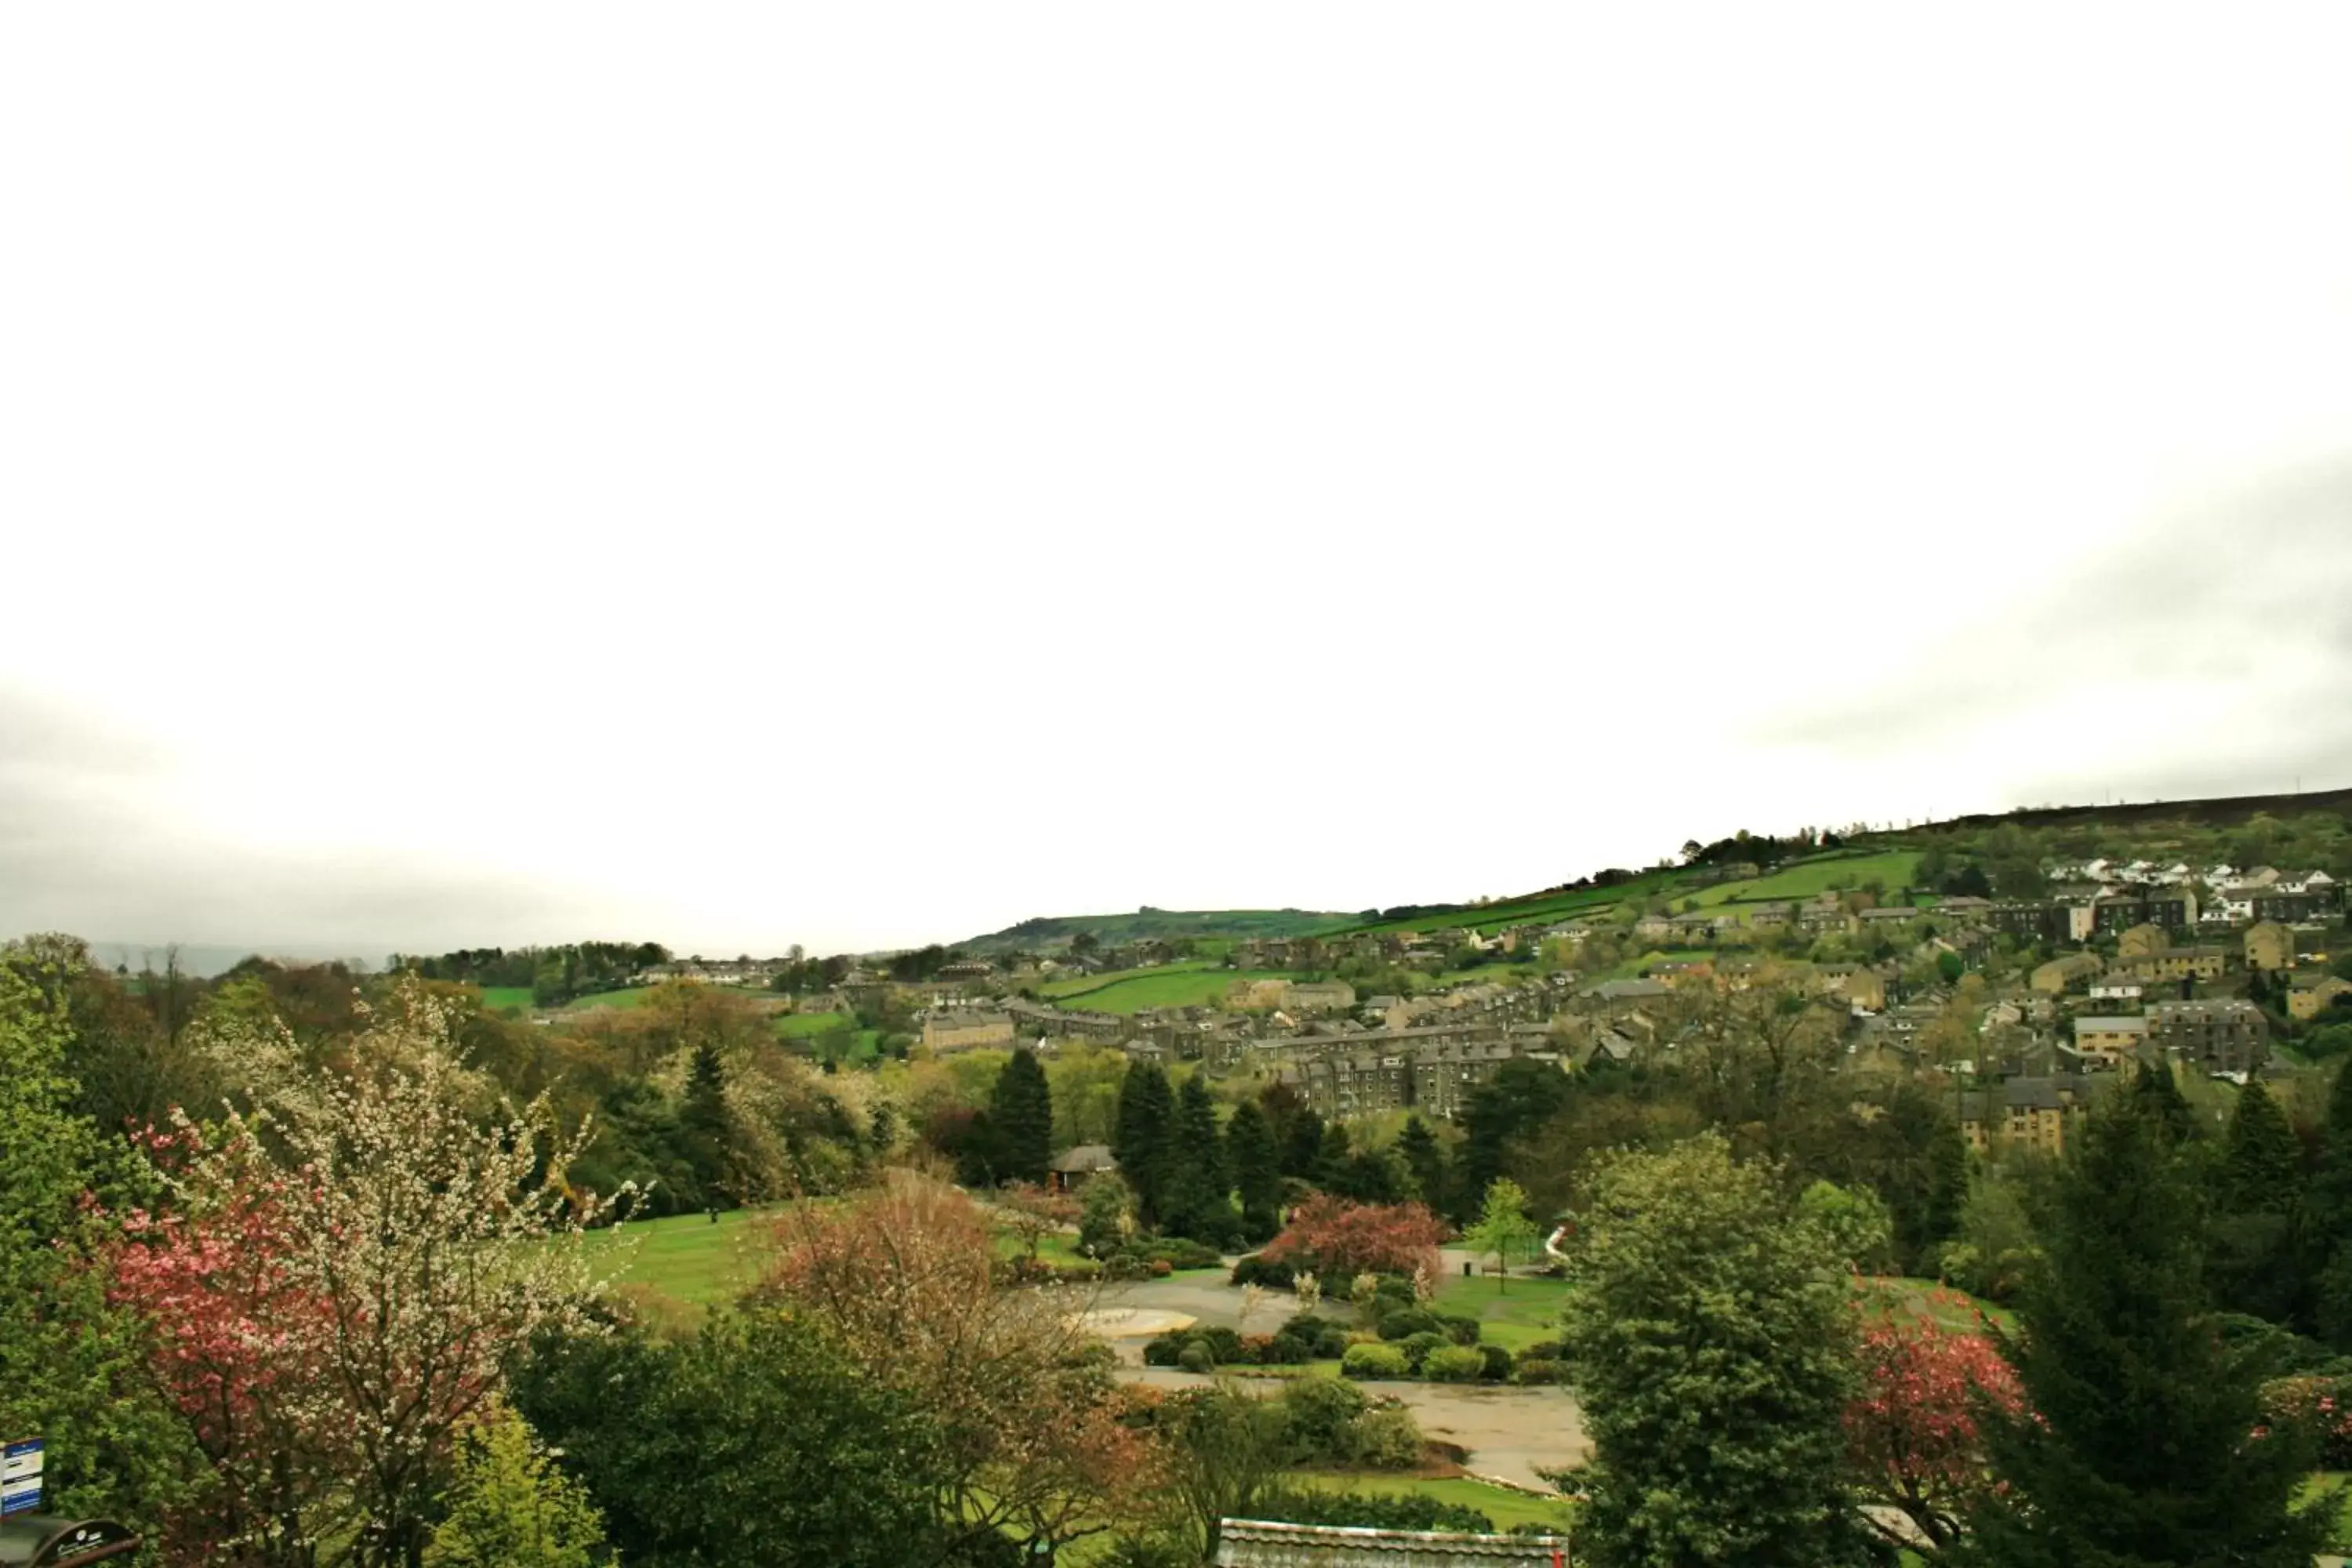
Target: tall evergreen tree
point(1424, 1162)
point(1257, 1170)
point(1301, 1139)
point(2153, 1090)
point(704, 1125)
point(2134, 1444)
point(1522, 1095)
point(1199, 1184)
point(1142, 1136)
point(2253, 1256)
point(2328, 1219)
point(1021, 1115)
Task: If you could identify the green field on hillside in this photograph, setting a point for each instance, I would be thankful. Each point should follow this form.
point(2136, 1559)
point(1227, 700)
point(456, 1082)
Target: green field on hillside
point(498, 998)
point(1806, 877)
point(795, 1025)
point(1176, 985)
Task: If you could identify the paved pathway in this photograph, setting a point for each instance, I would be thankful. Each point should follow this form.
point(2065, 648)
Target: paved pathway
point(1508, 1431)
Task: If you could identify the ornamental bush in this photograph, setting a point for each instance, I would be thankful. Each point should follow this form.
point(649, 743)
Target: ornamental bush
point(1454, 1363)
point(1385, 1438)
point(1196, 1357)
point(1259, 1269)
point(1497, 1362)
point(1532, 1372)
point(1417, 1348)
point(1321, 1410)
point(1462, 1331)
point(1373, 1363)
point(1405, 1322)
point(1183, 1252)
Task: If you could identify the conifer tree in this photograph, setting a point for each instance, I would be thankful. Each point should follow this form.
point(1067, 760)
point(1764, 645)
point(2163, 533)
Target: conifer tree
point(2137, 1442)
point(1257, 1170)
point(1199, 1187)
point(1020, 1120)
point(703, 1120)
point(1142, 1136)
point(1424, 1160)
point(2253, 1256)
point(2328, 1219)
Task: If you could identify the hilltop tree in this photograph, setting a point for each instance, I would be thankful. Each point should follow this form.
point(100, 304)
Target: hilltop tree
point(1021, 1119)
point(1711, 1344)
point(1257, 1172)
point(2137, 1441)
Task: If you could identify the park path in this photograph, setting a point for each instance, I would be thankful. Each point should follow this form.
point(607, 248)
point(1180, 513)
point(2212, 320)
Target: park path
point(1508, 1431)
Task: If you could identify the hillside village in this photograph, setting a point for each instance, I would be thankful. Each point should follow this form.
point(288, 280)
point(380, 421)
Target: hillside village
point(2025, 1003)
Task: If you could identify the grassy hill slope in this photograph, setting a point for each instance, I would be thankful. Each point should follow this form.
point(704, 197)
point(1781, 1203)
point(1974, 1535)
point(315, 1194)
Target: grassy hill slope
point(1053, 931)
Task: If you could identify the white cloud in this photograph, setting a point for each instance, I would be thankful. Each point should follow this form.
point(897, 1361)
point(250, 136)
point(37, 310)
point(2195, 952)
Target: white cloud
point(868, 474)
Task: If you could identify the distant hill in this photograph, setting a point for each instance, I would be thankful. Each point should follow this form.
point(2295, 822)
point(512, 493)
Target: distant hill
point(2222, 811)
point(1053, 931)
point(205, 959)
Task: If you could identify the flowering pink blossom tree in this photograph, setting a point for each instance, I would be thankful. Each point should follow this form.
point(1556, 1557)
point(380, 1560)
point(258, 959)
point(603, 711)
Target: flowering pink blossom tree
point(1913, 1431)
point(343, 1275)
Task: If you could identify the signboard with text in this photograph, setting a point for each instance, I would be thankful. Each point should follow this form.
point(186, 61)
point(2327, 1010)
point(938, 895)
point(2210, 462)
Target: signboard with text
point(20, 1477)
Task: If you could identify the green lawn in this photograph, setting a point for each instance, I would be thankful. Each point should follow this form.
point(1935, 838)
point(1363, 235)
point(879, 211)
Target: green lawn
point(2335, 1481)
point(684, 1260)
point(499, 997)
point(1527, 1310)
point(1505, 1507)
point(797, 1026)
point(633, 997)
point(1173, 985)
point(1806, 877)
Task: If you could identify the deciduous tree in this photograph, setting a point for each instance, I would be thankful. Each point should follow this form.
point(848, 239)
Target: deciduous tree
point(1912, 1429)
point(1337, 1238)
point(1503, 1226)
point(1712, 1346)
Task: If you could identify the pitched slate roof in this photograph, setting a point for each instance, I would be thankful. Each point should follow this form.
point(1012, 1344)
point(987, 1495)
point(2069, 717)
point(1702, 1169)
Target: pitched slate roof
point(1255, 1544)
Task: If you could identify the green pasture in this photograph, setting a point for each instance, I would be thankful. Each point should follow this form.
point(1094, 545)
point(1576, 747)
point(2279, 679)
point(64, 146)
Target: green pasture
point(498, 998)
point(1174, 985)
point(684, 1263)
point(634, 996)
point(1806, 877)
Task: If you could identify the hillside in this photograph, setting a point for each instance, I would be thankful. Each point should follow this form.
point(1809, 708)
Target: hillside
point(1053, 931)
point(2220, 811)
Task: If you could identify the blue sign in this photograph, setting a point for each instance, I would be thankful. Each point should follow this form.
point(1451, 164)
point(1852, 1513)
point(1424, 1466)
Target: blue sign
point(20, 1477)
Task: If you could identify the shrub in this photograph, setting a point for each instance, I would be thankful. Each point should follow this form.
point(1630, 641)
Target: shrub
point(1373, 1363)
point(1331, 1342)
point(1499, 1362)
point(1367, 1511)
point(1385, 1438)
point(1225, 1344)
point(1535, 1371)
point(1257, 1350)
point(1161, 1268)
point(1084, 1272)
point(1163, 1351)
point(1405, 1322)
point(2324, 1405)
point(1259, 1269)
point(1392, 1293)
point(1321, 1409)
point(1417, 1348)
point(1462, 1331)
point(1542, 1350)
point(1454, 1363)
point(1183, 1252)
point(1334, 1236)
point(1323, 1338)
point(1196, 1357)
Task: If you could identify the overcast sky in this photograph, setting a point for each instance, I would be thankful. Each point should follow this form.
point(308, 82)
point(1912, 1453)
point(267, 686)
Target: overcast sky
point(863, 474)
